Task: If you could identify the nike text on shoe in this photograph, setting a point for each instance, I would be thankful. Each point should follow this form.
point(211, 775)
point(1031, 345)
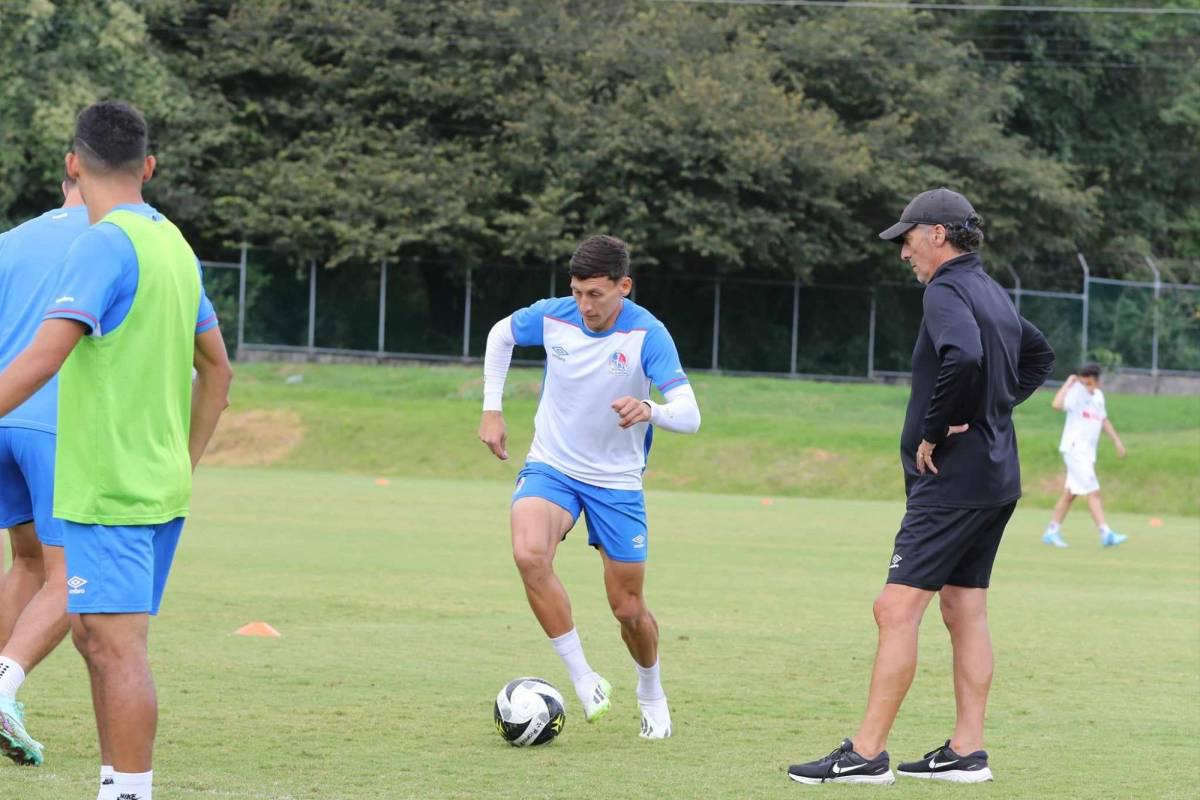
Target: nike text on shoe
point(944, 764)
point(595, 696)
point(1112, 539)
point(15, 741)
point(656, 719)
point(1054, 539)
point(844, 765)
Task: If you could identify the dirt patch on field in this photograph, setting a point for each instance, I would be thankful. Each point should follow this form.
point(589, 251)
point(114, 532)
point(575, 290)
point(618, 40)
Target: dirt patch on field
point(254, 438)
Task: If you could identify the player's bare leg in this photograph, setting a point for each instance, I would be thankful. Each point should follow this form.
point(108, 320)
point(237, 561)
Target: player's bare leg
point(1096, 508)
point(1053, 533)
point(624, 582)
point(964, 611)
point(24, 579)
point(898, 612)
point(114, 646)
point(43, 623)
point(79, 638)
point(537, 527)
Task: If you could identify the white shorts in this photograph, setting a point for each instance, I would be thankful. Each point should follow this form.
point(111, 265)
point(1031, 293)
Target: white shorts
point(1081, 472)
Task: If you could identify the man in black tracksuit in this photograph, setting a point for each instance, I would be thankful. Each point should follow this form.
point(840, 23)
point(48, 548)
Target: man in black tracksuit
point(975, 359)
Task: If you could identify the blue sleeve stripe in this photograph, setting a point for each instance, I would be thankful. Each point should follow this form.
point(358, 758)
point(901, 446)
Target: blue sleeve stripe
point(71, 313)
point(669, 384)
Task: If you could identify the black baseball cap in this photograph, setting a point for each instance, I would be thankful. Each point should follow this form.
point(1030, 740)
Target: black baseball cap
point(936, 207)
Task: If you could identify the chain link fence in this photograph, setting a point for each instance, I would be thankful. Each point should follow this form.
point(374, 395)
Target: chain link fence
point(739, 325)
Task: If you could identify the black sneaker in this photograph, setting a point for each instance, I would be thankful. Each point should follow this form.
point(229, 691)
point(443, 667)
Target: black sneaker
point(944, 764)
point(844, 765)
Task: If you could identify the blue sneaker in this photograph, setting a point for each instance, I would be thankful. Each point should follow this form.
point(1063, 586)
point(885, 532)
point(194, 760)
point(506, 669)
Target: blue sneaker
point(1112, 539)
point(15, 741)
point(1054, 538)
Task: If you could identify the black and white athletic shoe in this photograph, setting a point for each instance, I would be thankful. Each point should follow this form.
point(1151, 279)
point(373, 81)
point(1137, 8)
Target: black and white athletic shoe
point(944, 764)
point(844, 765)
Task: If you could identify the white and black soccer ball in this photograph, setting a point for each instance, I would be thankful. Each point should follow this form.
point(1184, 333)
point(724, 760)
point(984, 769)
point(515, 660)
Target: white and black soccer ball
point(529, 712)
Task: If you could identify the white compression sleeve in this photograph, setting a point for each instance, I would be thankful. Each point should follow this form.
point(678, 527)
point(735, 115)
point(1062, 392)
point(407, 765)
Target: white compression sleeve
point(496, 360)
point(679, 414)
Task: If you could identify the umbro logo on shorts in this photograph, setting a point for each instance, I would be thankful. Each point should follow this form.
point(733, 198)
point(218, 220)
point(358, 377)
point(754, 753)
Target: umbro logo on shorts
point(639, 541)
point(896, 559)
point(76, 585)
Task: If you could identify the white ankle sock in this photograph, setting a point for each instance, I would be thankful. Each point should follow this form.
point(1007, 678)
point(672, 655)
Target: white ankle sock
point(1053, 527)
point(649, 682)
point(133, 785)
point(11, 677)
point(108, 785)
point(1104, 531)
point(570, 650)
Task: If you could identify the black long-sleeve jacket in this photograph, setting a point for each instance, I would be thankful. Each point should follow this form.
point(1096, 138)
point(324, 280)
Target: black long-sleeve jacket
point(975, 359)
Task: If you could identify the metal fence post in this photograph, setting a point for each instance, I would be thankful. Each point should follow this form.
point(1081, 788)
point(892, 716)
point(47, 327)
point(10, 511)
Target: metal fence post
point(716, 322)
point(1154, 336)
point(1016, 286)
point(871, 338)
point(795, 324)
point(466, 351)
point(553, 282)
point(382, 302)
point(312, 303)
point(1087, 291)
point(241, 322)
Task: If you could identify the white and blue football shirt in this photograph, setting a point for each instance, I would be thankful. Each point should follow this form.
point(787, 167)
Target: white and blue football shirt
point(31, 255)
point(576, 430)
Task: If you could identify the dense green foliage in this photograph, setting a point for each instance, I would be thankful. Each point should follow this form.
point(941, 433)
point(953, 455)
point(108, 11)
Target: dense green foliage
point(714, 138)
point(759, 436)
point(402, 615)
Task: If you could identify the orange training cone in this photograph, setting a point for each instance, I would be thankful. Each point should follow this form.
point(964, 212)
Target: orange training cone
point(257, 629)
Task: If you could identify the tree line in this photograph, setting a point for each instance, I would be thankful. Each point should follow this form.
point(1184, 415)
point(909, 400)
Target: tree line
point(716, 138)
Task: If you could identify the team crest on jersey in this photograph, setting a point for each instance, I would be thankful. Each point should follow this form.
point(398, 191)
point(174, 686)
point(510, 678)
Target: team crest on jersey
point(618, 364)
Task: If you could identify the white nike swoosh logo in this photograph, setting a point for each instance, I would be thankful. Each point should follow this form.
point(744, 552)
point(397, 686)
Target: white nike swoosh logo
point(934, 763)
point(839, 769)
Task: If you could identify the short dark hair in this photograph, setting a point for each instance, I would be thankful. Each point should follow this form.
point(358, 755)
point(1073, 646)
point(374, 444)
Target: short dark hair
point(1090, 370)
point(600, 257)
point(965, 236)
point(111, 135)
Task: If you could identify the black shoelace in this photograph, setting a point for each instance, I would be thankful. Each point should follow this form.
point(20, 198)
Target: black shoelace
point(833, 758)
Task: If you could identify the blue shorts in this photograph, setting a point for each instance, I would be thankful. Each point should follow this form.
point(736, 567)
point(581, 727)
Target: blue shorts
point(119, 570)
point(27, 482)
point(616, 518)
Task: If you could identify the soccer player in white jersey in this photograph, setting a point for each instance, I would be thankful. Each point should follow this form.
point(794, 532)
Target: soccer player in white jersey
point(1080, 397)
point(593, 429)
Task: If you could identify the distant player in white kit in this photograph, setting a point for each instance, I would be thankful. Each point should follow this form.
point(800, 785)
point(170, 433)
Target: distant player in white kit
point(1080, 397)
point(593, 430)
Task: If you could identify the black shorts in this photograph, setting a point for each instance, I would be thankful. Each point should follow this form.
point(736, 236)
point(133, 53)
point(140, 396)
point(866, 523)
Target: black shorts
point(939, 546)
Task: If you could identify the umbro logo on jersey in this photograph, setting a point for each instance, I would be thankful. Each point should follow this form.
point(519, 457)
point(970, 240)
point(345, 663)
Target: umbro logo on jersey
point(76, 585)
point(559, 352)
point(896, 559)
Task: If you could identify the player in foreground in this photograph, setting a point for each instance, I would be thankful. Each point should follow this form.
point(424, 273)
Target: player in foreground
point(33, 600)
point(129, 323)
point(592, 436)
point(975, 359)
point(1080, 397)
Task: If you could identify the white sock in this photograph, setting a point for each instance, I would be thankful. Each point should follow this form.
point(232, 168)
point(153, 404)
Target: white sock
point(1104, 531)
point(108, 785)
point(570, 650)
point(649, 683)
point(133, 785)
point(1053, 527)
point(11, 677)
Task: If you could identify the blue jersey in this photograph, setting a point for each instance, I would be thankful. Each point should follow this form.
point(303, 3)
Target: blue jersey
point(575, 430)
point(98, 281)
point(31, 255)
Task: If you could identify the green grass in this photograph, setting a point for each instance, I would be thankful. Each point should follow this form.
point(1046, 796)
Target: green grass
point(759, 436)
point(402, 616)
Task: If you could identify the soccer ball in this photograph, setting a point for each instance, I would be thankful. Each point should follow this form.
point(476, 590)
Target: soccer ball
point(529, 712)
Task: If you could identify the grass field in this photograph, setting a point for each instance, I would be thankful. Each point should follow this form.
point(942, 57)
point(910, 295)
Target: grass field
point(773, 436)
point(402, 616)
